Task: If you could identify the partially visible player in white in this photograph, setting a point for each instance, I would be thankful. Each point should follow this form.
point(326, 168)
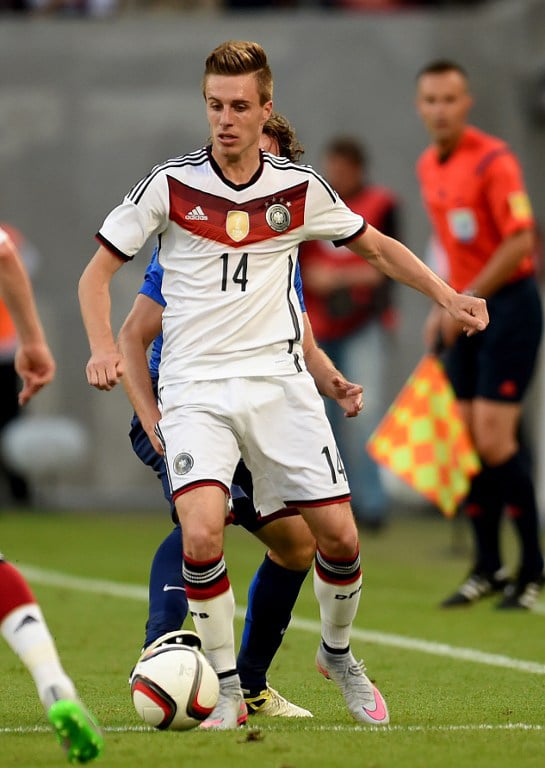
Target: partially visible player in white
point(21, 621)
point(232, 376)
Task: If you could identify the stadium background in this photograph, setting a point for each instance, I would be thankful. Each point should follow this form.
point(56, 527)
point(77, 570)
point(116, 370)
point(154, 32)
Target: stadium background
point(88, 106)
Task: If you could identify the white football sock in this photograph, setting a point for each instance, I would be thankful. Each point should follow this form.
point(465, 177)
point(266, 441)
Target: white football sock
point(213, 621)
point(338, 608)
point(27, 634)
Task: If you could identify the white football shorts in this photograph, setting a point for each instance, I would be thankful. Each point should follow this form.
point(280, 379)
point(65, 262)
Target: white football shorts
point(277, 424)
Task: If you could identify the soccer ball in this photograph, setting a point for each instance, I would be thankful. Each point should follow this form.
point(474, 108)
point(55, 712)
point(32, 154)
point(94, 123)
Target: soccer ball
point(174, 687)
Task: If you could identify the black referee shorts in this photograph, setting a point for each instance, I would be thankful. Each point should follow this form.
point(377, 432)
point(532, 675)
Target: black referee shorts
point(498, 363)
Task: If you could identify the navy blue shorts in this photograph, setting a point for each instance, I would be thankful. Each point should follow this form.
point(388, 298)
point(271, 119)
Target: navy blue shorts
point(145, 451)
point(498, 363)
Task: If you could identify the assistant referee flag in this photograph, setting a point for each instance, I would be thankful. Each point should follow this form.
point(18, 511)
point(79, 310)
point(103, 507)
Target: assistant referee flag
point(424, 440)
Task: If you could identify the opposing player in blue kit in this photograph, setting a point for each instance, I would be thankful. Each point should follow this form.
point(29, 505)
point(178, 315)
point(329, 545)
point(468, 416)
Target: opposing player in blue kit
point(276, 584)
point(233, 380)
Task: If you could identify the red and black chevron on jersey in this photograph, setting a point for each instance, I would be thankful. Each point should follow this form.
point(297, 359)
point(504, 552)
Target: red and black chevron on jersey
point(207, 215)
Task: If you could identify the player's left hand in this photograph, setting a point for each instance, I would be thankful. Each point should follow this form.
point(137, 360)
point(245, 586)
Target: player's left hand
point(105, 369)
point(348, 395)
point(470, 311)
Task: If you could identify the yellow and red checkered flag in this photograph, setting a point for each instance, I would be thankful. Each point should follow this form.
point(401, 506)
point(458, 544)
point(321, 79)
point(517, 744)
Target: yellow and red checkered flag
point(424, 440)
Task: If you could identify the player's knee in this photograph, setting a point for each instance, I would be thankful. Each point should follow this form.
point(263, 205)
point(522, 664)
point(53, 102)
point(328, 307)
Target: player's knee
point(298, 556)
point(204, 542)
point(201, 514)
point(201, 548)
point(339, 544)
point(334, 528)
point(304, 555)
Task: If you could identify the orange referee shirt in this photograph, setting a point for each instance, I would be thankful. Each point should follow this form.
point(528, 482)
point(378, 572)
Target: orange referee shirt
point(475, 199)
point(8, 334)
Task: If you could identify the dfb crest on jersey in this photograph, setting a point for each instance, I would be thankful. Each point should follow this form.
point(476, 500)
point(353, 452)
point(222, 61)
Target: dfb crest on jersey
point(183, 463)
point(237, 225)
point(278, 217)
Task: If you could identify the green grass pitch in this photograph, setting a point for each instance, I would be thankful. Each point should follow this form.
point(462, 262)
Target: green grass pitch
point(464, 688)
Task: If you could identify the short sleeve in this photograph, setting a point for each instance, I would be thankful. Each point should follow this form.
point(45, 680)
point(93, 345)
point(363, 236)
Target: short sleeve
point(507, 196)
point(143, 212)
point(327, 217)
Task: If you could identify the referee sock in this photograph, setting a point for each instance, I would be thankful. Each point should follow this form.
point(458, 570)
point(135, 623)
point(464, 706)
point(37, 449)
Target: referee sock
point(483, 507)
point(271, 597)
point(514, 480)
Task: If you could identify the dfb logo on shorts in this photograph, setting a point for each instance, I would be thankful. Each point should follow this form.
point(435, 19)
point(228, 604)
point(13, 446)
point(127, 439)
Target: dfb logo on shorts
point(183, 463)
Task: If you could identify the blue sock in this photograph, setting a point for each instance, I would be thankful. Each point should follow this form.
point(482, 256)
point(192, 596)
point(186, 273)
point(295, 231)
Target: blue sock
point(271, 598)
point(167, 598)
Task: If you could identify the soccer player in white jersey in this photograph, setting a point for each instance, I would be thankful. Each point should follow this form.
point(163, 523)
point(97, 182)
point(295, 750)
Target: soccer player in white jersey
point(232, 376)
point(21, 621)
point(290, 545)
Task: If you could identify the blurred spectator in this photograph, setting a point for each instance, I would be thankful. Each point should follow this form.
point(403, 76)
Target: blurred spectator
point(96, 8)
point(396, 5)
point(350, 307)
point(104, 8)
point(17, 485)
point(248, 4)
point(375, 5)
point(13, 6)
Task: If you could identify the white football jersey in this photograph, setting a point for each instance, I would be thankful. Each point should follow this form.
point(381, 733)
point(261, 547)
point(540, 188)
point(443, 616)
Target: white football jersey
point(229, 254)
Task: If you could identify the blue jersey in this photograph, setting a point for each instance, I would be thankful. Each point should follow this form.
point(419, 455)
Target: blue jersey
point(151, 287)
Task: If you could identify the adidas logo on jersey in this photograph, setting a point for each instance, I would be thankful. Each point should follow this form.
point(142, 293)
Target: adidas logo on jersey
point(197, 214)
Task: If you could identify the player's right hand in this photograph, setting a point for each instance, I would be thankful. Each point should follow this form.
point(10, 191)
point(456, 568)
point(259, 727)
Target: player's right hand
point(104, 370)
point(35, 365)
